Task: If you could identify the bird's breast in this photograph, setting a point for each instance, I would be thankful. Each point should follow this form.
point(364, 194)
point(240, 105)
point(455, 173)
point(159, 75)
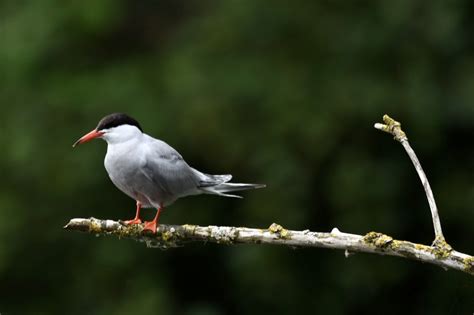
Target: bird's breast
point(123, 166)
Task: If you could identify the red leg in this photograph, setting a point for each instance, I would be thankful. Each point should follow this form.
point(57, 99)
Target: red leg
point(136, 220)
point(151, 225)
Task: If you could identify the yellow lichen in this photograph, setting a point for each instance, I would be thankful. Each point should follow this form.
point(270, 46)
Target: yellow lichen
point(379, 240)
point(395, 244)
point(284, 233)
point(469, 264)
point(130, 230)
point(167, 235)
point(279, 230)
point(189, 228)
point(394, 127)
point(95, 227)
point(422, 247)
point(275, 228)
point(441, 249)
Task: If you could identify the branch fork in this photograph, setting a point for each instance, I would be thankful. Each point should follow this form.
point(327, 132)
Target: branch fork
point(395, 128)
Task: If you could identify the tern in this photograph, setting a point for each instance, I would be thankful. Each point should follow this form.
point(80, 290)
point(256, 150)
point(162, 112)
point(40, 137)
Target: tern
point(150, 171)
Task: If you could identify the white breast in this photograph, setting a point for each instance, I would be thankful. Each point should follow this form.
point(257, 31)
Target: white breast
point(123, 163)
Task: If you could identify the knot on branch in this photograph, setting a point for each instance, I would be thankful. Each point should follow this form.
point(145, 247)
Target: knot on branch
point(469, 265)
point(392, 127)
point(279, 231)
point(378, 240)
point(441, 249)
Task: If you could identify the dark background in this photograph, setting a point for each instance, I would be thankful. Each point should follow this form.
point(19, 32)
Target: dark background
point(278, 92)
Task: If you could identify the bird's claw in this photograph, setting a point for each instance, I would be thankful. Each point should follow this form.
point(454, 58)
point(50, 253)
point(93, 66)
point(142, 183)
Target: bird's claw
point(133, 221)
point(150, 226)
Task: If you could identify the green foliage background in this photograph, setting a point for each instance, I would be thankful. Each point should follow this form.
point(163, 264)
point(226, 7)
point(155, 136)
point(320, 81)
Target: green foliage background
point(279, 92)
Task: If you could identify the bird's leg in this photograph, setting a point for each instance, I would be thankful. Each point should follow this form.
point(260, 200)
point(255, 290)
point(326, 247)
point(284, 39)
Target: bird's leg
point(136, 220)
point(151, 225)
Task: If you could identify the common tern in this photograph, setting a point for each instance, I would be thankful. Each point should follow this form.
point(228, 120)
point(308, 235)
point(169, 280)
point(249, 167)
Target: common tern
point(150, 171)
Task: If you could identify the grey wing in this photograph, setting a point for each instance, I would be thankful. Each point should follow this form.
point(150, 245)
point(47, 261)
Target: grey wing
point(166, 168)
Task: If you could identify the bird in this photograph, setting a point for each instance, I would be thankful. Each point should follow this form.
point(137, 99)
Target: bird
point(150, 171)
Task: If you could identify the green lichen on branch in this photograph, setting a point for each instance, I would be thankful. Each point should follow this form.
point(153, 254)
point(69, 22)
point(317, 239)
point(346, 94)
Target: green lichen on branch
point(170, 236)
point(127, 231)
point(441, 249)
point(165, 237)
point(469, 265)
point(279, 231)
point(226, 236)
point(393, 127)
point(379, 240)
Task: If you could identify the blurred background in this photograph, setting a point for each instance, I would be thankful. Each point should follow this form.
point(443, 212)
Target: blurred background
point(283, 93)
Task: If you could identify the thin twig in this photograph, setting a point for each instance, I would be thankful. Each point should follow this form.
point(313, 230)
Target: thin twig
point(394, 127)
point(169, 236)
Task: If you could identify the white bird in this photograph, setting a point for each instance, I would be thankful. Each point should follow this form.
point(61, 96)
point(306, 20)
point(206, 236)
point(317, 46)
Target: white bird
point(151, 171)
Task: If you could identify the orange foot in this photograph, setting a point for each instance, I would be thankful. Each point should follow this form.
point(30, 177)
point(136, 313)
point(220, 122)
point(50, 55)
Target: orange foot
point(150, 226)
point(133, 221)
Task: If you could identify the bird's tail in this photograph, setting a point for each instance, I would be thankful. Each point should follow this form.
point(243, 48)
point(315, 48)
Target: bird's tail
point(218, 185)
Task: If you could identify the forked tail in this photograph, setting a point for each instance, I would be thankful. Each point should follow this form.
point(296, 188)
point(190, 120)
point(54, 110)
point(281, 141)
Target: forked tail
point(219, 185)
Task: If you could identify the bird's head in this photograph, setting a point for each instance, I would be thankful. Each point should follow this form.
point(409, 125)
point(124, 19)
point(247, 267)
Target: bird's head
point(113, 128)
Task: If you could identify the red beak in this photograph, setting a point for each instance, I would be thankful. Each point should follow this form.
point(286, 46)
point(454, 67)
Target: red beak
point(88, 137)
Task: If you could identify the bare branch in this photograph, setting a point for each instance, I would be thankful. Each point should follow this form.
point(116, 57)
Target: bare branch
point(169, 236)
point(394, 127)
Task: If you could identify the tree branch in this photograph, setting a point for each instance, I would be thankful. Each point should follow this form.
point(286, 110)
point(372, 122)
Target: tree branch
point(395, 128)
point(168, 236)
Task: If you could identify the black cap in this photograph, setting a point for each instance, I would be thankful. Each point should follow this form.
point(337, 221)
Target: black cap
point(117, 119)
